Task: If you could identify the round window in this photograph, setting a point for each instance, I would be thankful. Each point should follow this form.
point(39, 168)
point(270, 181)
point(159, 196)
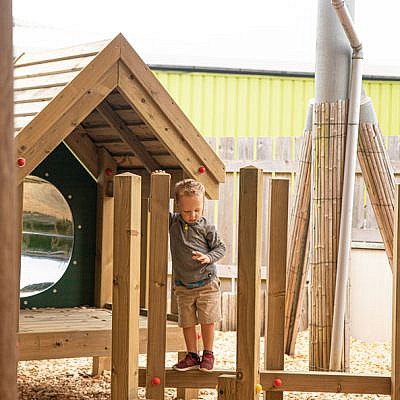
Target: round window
point(47, 236)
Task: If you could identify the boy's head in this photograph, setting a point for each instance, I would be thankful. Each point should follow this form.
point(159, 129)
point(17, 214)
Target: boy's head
point(189, 198)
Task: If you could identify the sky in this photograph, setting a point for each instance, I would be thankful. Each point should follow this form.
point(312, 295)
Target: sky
point(251, 34)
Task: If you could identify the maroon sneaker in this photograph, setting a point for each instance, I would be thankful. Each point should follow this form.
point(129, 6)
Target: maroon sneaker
point(189, 362)
point(207, 361)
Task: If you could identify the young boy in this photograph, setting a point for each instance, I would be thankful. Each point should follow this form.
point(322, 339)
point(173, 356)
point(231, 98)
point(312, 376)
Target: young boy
point(195, 247)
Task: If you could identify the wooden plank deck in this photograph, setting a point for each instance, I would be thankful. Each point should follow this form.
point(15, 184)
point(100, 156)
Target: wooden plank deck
point(77, 332)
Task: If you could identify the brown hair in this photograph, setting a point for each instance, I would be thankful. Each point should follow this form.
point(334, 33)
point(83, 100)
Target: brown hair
point(188, 187)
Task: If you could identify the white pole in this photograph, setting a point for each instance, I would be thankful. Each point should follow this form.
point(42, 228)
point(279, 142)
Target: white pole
point(348, 186)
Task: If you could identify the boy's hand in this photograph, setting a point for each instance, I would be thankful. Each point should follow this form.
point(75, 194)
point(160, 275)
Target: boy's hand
point(200, 257)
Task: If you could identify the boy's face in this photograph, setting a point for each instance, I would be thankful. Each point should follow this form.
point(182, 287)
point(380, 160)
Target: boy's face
point(191, 208)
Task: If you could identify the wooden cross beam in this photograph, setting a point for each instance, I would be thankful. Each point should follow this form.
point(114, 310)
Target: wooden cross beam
point(114, 120)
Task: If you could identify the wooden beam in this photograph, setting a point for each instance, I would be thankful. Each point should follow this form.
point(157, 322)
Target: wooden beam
point(396, 301)
point(84, 149)
point(104, 242)
point(166, 132)
point(18, 241)
point(248, 286)
point(114, 120)
point(276, 283)
point(330, 382)
point(105, 229)
point(8, 215)
point(67, 110)
point(83, 343)
point(158, 272)
point(126, 296)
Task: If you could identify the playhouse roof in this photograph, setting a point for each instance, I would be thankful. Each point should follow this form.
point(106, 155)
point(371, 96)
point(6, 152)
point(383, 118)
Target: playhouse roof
point(103, 96)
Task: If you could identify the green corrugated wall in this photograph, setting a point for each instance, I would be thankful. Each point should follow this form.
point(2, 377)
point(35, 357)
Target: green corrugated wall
point(225, 104)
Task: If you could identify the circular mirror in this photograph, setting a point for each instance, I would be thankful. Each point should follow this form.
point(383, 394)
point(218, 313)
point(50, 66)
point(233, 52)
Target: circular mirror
point(47, 236)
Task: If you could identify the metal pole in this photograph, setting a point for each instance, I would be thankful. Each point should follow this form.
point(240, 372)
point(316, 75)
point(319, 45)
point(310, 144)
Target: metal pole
point(348, 186)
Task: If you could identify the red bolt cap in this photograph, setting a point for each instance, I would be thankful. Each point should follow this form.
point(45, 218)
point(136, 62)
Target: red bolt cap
point(108, 172)
point(156, 380)
point(202, 169)
point(21, 162)
point(277, 382)
point(199, 336)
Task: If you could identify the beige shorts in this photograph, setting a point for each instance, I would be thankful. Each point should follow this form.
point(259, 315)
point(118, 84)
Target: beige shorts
point(200, 305)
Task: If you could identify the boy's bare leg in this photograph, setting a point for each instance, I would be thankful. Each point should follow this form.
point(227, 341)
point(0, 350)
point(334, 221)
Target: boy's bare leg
point(190, 336)
point(207, 332)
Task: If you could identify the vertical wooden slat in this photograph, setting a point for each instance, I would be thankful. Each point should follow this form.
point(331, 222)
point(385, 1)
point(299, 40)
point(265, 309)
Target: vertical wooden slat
point(126, 287)
point(158, 271)
point(264, 152)
point(144, 253)
point(277, 251)
point(8, 217)
point(105, 217)
point(396, 301)
point(226, 203)
point(249, 265)
point(393, 148)
point(245, 149)
point(283, 153)
point(209, 205)
point(227, 387)
point(104, 242)
point(358, 203)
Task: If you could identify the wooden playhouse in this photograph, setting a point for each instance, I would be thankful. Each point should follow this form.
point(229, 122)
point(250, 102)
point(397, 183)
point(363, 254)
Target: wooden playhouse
point(83, 115)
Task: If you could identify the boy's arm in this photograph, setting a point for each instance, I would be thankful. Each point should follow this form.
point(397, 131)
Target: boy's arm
point(217, 246)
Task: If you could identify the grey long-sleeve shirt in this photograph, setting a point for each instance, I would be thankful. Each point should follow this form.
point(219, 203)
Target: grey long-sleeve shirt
point(186, 238)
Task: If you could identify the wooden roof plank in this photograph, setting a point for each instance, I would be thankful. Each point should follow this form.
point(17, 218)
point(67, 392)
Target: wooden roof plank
point(86, 49)
point(162, 98)
point(23, 109)
point(52, 68)
point(45, 81)
point(127, 136)
point(85, 150)
point(36, 141)
point(32, 95)
point(164, 130)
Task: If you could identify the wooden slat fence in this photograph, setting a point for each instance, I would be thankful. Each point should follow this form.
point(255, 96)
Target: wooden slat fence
point(277, 157)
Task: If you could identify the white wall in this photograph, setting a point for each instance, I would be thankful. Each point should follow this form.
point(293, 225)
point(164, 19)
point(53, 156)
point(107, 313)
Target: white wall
point(370, 295)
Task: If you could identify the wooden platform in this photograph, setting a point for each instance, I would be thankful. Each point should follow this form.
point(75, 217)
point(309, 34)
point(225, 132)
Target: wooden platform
point(77, 332)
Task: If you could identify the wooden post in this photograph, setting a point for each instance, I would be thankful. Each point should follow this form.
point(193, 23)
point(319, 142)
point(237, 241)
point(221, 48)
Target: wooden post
point(158, 272)
point(276, 282)
point(227, 387)
point(396, 302)
point(125, 315)
point(104, 242)
point(18, 241)
point(8, 213)
point(249, 281)
point(105, 220)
